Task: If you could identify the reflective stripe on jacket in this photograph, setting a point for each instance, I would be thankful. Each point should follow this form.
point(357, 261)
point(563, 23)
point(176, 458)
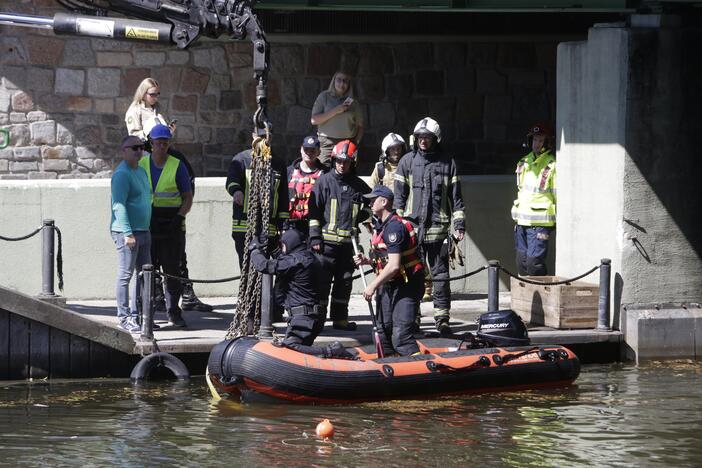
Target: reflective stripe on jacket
point(336, 207)
point(428, 193)
point(239, 179)
point(536, 185)
point(166, 193)
point(410, 263)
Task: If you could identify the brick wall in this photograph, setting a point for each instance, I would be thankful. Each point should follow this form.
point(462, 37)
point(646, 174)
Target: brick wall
point(63, 98)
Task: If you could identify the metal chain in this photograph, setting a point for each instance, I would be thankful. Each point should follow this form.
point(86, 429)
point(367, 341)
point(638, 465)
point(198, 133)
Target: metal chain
point(247, 317)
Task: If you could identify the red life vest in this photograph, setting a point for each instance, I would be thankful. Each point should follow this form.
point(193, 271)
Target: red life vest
point(300, 187)
point(410, 263)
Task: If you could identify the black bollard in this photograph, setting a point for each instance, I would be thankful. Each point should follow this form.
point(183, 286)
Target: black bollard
point(265, 331)
point(47, 260)
point(603, 306)
point(147, 302)
point(493, 286)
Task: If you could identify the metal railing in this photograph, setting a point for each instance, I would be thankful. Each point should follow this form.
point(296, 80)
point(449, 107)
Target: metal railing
point(493, 267)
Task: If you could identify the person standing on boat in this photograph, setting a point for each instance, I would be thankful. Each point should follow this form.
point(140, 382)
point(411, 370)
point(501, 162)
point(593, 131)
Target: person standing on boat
point(336, 209)
point(172, 200)
point(534, 210)
point(129, 226)
point(302, 177)
point(300, 272)
point(399, 280)
point(428, 194)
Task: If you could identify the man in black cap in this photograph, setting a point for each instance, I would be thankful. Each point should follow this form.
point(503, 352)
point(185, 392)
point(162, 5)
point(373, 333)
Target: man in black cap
point(302, 177)
point(301, 272)
point(399, 282)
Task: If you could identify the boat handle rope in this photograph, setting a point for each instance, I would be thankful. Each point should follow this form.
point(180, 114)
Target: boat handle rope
point(434, 366)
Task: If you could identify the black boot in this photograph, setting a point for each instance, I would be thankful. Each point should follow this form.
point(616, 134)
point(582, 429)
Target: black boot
point(191, 302)
point(442, 326)
point(159, 298)
point(175, 318)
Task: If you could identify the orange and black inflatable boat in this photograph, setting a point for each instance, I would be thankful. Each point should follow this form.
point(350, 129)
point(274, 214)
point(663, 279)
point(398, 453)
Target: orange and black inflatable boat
point(256, 370)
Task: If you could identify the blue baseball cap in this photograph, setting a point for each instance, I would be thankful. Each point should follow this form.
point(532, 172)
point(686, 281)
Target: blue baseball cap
point(160, 132)
point(310, 142)
point(380, 191)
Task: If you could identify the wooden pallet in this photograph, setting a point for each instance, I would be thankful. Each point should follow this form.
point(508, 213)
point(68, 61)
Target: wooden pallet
point(564, 306)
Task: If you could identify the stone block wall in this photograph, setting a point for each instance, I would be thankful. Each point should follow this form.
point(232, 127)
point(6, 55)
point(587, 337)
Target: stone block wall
point(63, 98)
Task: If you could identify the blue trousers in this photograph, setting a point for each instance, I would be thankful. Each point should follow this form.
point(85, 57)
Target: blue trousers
point(130, 260)
point(531, 246)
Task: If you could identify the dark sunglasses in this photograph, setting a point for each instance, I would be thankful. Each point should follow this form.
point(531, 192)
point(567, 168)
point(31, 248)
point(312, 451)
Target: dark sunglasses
point(154, 94)
point(136, 147)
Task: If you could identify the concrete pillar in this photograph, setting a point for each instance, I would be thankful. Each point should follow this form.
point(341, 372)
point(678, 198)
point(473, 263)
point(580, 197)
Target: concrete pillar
point(629, 115)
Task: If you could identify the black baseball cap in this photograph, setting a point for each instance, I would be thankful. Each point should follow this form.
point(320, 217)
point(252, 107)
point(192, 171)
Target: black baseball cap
point(380, 191)
point(310, 142)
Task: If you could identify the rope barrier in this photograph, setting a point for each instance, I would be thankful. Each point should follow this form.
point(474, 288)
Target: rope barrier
point(548, 283)
point(59, 259)
point(15, 239)
point(190, 280)
point(466, 275)
point(59, 252)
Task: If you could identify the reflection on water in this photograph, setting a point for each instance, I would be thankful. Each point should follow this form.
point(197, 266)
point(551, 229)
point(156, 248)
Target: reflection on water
point(616, 415)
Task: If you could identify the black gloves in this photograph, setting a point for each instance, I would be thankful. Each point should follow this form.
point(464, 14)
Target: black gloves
point(336, 350)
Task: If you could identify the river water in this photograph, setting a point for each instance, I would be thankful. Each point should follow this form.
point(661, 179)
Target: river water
point(615, 415)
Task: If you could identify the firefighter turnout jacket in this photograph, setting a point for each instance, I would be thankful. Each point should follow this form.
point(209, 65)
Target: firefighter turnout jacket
point(239, 179)
point(536, 185)
point(336, 207)
point(428, 193)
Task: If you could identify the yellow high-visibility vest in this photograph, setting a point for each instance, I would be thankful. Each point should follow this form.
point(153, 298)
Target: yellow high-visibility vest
point(166, 194)
point(536, 185)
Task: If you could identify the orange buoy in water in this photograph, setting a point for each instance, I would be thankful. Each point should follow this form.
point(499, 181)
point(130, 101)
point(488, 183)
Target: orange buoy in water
point(325, 429)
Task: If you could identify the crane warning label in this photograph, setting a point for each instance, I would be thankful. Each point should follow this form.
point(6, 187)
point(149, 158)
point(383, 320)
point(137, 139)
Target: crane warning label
point(148, 34)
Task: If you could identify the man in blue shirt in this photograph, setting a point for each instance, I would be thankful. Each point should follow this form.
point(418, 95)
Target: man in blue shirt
point(131, 216)
point(172, 200)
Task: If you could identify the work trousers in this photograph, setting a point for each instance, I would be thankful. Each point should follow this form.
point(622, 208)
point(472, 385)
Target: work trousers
point(337, 263)
point(167, 250)
point(437, 258)
point(531, 246)
point(305, 323)
point(129, 261)
point(397, 303)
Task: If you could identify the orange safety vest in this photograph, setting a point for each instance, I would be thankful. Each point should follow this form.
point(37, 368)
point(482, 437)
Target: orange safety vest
point(409, 260)
point(301, 186)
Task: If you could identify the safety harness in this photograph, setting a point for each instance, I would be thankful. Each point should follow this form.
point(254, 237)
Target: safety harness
point(409, 260)
point(301, 185)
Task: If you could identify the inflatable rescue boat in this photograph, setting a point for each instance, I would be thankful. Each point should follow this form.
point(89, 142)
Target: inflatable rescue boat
point(255, 370)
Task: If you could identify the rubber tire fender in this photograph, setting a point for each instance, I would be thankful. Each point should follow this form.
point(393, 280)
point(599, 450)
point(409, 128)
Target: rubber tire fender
point(148, 364)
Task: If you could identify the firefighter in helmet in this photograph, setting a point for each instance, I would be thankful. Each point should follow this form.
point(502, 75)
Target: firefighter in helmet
point(393, 148)
point(428, 194)
point(336, 208)
point(534, 210)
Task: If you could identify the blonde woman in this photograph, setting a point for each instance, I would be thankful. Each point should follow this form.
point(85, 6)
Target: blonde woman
point(144, 112)
point(337, 115)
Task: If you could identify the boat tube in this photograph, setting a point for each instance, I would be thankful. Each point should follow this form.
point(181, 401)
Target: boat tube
point(254, 370)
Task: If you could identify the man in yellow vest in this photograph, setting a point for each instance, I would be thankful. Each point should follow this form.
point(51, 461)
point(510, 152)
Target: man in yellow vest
point(534, 210)
point(172, 199)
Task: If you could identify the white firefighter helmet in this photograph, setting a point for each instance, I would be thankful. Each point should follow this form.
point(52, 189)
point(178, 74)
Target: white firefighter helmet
point(391, 139)
point(428, 126)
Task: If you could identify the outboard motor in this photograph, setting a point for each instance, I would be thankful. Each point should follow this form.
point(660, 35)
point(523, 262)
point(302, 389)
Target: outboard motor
point(502, 328)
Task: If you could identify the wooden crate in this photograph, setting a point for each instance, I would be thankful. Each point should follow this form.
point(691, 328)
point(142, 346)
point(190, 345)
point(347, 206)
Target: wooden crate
point(571, 305)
